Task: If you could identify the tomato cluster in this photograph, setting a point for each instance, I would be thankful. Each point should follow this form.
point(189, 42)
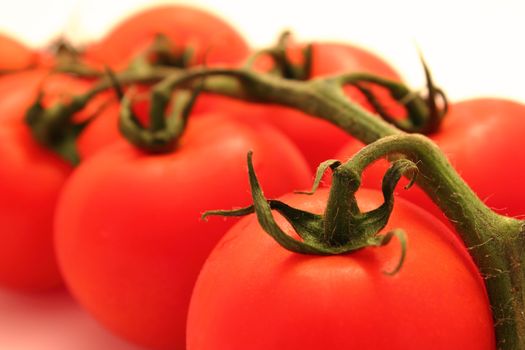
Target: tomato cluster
point(119, 225)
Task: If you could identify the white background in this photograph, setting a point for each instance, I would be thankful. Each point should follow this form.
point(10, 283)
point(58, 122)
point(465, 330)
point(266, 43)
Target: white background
point(474, 48)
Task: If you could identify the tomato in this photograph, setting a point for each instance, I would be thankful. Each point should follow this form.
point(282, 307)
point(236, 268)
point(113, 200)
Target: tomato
point(15, 55)
point(319, 139)
point(206, 35)
point(101, 132)
point(30, 180)
point(19, 92)
point(482, 138)
point(129, 238)
point(254, 294)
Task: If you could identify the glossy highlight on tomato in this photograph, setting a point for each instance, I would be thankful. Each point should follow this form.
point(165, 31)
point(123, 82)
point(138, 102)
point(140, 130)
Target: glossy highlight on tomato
point(254, 294)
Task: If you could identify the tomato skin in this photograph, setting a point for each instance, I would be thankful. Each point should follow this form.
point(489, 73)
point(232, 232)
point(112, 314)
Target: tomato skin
point(15, 55)
point(30, 180)
point(316, 138)
point(483, 139)
point(129, 238)
point(253, 294)
point(101, 132)
point(209, 36)
point(18, 91)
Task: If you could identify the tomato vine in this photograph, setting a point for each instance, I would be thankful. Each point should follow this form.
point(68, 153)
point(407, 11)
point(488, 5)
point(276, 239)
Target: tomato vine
point(496, 242)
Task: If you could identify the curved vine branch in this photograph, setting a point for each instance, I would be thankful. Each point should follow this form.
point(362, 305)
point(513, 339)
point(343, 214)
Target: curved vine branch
point(496, 242)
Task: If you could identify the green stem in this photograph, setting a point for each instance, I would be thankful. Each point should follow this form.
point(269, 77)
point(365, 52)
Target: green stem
point(495, 242)
point(322, 98)
point(341, 207)
point(79, 70)
point(163, 133)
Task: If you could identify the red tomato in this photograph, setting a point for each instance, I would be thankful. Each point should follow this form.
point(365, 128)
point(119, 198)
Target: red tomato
point(317, 138)
point(483, 139)
point(129, 239)
point(30, 180)
point(207, 35)
point(23, 83)
point(101, 132)
point(15, 55)
point(254, 294)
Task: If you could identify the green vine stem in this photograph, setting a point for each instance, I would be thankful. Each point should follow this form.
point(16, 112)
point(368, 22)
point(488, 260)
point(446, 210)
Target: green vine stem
point(54, 127)
point(495, 242)
point(162, 134)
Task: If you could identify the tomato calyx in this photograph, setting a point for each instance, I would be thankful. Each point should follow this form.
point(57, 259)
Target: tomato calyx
point(282, 65)
point(163, 53)
point(163, 132)
point(63, 57)
point(343, 228)
point(424, 111)
point(64, 52)
point(55, 128)
point(287, 68)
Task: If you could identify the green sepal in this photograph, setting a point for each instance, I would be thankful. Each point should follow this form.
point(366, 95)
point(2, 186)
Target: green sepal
point(54, 128)
point(306, 224)
point(416, 107)
point(382, 240)
point(310, 227)
point(423, 115)
point(132, 129)
point(321, 170)
point(284, 67)
point(162, 53)
point(376, 219)
point(264, 216)
point(436, 114)
point(163, 133)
